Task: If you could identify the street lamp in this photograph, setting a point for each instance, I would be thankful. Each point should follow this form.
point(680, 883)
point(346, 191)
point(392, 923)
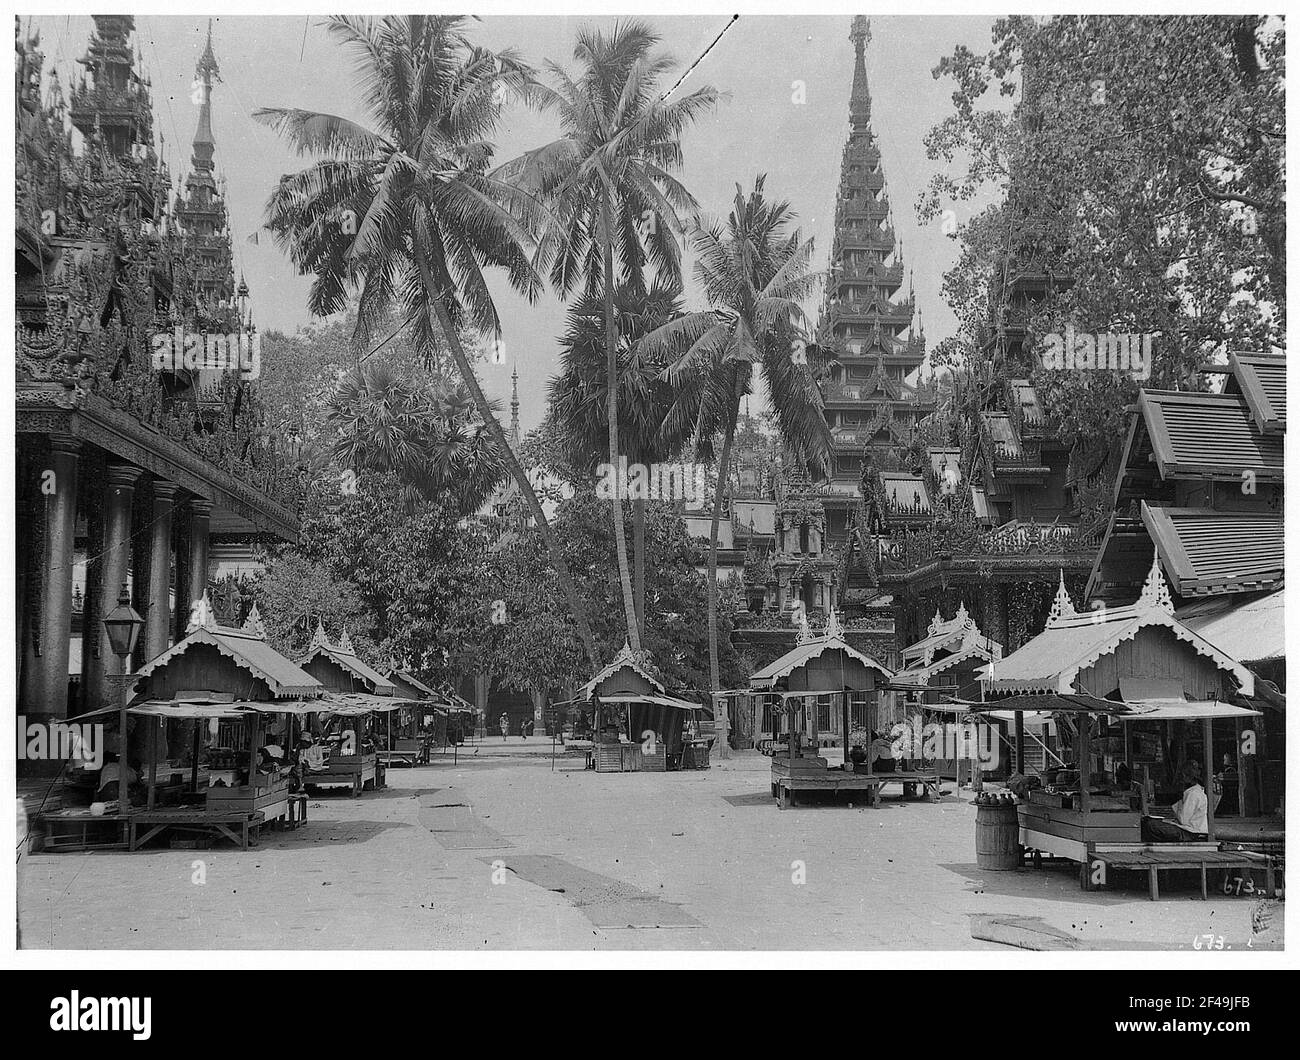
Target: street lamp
point(123, 625)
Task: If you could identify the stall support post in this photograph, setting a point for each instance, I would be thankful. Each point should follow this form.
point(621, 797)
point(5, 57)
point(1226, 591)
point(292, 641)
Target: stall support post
point(1241, 770)
point(844, 721)
point(153, 762)
point(123, 803)
point(1085, 762)
point(194, 760)
point(1020, 742)
point(1208, 755)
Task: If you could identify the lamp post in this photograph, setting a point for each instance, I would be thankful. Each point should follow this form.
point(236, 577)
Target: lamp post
point(123, 625)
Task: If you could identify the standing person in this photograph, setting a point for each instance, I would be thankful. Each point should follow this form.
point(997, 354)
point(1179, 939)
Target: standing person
point(504, 723)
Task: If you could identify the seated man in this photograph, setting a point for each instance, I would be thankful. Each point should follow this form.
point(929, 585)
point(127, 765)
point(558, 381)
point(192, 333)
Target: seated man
point(881, 754)
point(1191, 816)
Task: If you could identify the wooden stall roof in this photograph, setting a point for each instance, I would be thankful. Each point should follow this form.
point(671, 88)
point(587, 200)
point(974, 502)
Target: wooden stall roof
point(393, 676)
point(658, 701)
point(1051, 661)
point(959, 636)
point(246, 647)
point(1250, 627)
point(1261, 378)
point(1208, 435)
point(625, 657)
point(1205, 551)
point(343, 656)
point(832, 639)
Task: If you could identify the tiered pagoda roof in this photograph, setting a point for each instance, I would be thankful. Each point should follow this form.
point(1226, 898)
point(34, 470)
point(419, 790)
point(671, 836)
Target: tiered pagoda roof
point(876, 342)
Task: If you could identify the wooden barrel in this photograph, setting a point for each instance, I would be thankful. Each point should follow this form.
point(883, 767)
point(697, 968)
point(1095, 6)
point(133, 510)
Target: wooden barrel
point(997, 837)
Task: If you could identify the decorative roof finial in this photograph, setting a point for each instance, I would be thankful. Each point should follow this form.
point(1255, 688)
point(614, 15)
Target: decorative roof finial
point(1062, 605)
point(253, 625)
point(201, 616)
point(833, 630)
point(1155, 591)
point(805, 631)
point(318, 639)
point(860, 97)
point(345, 643)
point(935, 623)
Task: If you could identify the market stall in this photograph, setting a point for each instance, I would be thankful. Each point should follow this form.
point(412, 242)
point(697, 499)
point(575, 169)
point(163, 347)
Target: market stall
point(1104, 676)
point(202, 757)
point(637, 726)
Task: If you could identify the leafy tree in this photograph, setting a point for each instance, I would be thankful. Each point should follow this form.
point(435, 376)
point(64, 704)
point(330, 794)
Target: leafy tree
point(1141, 158)
point(755, 277)
point(406, 212)
point(614, 206)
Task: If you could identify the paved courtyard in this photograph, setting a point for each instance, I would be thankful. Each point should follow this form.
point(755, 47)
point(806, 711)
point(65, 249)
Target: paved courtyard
point(500, 851)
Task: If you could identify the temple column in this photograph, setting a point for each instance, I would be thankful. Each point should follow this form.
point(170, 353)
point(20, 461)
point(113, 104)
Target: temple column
point(157, 624)
point(45, 668)
point(100, 666)
point(200, 524)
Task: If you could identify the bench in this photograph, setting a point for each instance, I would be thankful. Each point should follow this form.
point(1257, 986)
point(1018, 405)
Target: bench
point(1160, 857)
point(241, 828)
point(785, 785)
point(297, 814)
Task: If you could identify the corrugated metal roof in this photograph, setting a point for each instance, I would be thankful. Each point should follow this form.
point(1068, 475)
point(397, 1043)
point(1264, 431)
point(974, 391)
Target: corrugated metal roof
point(1205, 551)
point(1208, 435)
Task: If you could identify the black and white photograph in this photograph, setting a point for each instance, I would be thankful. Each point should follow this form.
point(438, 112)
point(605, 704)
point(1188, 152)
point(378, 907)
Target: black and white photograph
point(650, 489)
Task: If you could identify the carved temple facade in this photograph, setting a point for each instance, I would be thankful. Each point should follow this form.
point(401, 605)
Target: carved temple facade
point(127, 473)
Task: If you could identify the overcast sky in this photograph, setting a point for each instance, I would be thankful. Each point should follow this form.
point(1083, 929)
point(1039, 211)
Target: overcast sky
point(760, 129)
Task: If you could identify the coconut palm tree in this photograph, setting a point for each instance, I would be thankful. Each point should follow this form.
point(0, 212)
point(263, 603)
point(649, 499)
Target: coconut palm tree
point(614, 207)
point(754, 276)
point(578, 406)
point(405, 211)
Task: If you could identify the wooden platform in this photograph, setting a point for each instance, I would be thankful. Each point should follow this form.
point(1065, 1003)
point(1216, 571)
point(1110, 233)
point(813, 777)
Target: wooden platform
point(240, 828)
point(78, 829)
point(1158, 857)
point(812, 774)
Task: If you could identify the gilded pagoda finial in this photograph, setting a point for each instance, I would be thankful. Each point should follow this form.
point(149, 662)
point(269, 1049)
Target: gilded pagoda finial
point(253, 624)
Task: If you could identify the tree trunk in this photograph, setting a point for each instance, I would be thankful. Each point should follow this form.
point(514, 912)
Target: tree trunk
point(611, 411)
point(576, 606)
point(724, 463)
point(638, 561)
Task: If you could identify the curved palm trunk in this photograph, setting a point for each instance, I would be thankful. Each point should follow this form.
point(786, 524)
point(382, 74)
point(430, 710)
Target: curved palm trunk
point(720, 721)
point(611, 412)
point(576, 606)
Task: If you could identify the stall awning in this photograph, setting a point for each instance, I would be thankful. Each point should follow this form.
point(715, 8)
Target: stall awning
point(180, 710)
point(1081, 703)
point(658, 701)
point(1186, 710)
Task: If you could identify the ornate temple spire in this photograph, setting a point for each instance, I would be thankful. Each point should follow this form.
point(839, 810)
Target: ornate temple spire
point(206, 73)
point(860, 321)
point(860, 97)
point(345, 643)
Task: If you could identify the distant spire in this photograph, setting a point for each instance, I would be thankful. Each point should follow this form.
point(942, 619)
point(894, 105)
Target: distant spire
point(514, 406)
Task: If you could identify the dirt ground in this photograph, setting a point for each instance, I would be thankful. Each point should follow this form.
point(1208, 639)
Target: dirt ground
point(504, 850)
